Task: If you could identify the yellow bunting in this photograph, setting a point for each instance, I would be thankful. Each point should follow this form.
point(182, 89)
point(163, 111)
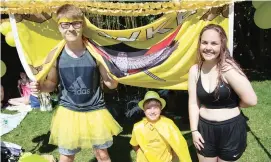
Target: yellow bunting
point(106, 8)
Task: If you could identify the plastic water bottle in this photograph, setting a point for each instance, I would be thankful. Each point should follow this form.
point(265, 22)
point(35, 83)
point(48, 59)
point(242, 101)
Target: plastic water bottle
point(45, 102)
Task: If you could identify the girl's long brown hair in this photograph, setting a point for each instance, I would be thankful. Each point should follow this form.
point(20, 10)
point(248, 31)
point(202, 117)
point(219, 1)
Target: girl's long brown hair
point(224, 57)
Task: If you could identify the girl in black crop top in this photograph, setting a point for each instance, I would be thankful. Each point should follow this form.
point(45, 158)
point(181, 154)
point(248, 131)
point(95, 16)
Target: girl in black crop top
point(223, 97)
point(217, 90)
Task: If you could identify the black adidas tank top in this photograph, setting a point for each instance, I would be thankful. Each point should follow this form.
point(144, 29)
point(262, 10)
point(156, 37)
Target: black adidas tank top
point(79, 83)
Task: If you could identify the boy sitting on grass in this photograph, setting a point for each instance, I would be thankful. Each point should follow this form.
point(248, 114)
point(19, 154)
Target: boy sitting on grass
point(156, 138)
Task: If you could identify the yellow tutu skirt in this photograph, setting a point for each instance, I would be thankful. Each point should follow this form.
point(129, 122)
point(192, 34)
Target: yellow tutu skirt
point(71, 129)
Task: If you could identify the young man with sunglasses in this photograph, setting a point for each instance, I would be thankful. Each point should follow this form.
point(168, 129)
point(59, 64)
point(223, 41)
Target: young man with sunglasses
point(81, 119)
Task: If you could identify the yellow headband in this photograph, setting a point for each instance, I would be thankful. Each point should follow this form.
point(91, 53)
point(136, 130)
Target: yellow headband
point(65, 19)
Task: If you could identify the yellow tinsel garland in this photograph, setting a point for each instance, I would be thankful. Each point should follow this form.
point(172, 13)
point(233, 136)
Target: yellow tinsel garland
point(109, 8)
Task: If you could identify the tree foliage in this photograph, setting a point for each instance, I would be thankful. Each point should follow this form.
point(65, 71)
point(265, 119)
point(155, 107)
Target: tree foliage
point(251, 44)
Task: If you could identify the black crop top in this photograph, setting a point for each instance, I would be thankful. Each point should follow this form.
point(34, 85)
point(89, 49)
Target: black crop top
point(226, 97)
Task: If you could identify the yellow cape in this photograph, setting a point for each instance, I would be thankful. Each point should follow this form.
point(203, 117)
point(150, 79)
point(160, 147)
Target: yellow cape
point(170, 132)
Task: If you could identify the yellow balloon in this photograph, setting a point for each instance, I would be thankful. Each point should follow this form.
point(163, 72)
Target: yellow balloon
point(262, 16)
point(3, 68)
point(5, 27)
point(257, 4)
point(10, 39)
point(33, 158)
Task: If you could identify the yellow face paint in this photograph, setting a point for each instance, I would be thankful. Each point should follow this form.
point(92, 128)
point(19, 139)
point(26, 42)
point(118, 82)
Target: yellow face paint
point(69, 20)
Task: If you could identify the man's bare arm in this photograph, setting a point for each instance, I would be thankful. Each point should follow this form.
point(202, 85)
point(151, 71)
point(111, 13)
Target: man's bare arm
point(107, 79)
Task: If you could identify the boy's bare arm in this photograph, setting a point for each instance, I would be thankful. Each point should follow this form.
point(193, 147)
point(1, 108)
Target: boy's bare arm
point(50, 83)
point(107, 79)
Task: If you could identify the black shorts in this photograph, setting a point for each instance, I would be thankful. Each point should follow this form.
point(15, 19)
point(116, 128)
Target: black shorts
point(225, 139)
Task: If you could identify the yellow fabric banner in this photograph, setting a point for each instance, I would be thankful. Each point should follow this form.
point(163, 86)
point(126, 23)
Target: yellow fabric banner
point(157, 55)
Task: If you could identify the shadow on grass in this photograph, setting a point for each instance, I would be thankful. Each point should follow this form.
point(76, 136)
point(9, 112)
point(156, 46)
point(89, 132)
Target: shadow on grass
point(120, 150)
point(191, 147)
point(258, 141)
point(43, 145)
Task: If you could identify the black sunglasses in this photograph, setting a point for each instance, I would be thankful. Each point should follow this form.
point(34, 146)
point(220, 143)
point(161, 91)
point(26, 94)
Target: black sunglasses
point(75, 24)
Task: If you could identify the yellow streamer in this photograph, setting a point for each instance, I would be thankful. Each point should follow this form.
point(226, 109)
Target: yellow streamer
point(110, 8)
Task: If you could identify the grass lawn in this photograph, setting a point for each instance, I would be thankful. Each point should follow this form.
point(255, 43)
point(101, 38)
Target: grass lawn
point(33, 134)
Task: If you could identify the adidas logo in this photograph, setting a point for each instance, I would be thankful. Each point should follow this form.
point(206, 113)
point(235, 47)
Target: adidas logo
point(78, 87)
